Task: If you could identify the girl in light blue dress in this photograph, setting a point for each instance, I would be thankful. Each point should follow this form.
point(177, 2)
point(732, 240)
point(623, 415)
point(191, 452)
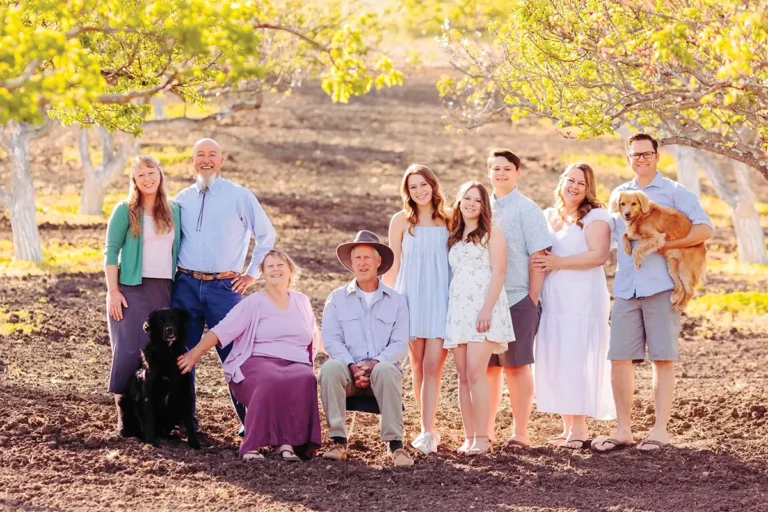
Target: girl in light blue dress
point(418, 235)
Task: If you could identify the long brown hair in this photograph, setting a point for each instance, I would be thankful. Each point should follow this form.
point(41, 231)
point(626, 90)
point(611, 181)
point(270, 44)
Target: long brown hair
point(590, 200)
point(483, 229)
point(162, 213)
point(409, 205)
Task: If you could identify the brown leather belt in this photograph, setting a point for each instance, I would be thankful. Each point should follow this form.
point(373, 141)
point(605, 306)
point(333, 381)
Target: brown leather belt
point(202, 276)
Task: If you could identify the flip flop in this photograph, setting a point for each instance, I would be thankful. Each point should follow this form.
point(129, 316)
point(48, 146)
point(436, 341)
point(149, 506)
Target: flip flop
point(554, 442)
point(617, 445)
point(658, 444)
point(583, 445)
point(517, 445)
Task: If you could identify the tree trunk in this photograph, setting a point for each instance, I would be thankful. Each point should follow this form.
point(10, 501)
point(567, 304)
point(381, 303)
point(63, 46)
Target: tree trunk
point(687, 168)
point(97, 179)
point(750, 238)
point(746, 221)
point(93, 193)
point(158, 107)
point(26, 237)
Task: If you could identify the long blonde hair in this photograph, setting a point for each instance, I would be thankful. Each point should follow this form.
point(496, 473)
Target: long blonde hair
point(590, 200)
point(162, 213)
point(409, 205)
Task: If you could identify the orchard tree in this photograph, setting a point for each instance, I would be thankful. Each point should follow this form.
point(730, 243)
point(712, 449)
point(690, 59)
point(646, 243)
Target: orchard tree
point(695, 72)
point(100, 62)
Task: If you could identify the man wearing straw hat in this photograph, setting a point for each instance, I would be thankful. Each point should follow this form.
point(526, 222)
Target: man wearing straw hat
point(365, 331)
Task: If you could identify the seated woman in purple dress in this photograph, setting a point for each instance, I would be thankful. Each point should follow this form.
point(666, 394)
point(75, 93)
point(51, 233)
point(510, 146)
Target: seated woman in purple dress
point(269, 369)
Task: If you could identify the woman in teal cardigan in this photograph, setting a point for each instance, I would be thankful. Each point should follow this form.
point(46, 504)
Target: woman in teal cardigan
point(140, 263)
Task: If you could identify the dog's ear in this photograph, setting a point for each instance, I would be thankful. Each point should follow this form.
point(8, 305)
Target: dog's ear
point(148, 322)
point(645, 202)
point(614, 202)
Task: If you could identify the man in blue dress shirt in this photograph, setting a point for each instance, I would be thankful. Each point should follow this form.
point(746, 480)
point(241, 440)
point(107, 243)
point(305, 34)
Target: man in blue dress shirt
point(642, 315)
point(218, 218)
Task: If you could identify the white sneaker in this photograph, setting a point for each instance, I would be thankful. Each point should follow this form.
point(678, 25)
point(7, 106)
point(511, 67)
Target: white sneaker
point(426, 442)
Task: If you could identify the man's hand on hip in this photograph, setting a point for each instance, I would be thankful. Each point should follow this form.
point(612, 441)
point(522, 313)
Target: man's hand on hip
point(242, 283)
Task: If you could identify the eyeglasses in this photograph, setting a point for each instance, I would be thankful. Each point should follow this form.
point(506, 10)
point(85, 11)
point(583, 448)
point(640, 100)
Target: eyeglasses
point(646, 155)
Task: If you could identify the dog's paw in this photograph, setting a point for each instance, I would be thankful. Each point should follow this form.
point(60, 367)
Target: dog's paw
point(638, 263)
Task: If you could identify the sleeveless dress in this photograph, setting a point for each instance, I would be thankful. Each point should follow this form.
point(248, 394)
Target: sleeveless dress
point(572, 372)
point(424, 278)
point(471, 267)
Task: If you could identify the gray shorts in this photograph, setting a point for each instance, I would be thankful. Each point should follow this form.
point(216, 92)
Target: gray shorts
point(525, 322)
point(640, 322)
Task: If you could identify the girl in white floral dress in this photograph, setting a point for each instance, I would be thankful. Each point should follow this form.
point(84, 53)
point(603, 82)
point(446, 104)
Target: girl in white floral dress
point(478, 322)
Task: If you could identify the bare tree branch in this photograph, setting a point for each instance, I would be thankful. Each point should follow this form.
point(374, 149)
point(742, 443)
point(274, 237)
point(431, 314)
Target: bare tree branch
point(127, 97)
point(15, 83)
point(740, 154)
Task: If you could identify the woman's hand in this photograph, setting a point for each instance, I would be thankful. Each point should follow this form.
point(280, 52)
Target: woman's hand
point(187, 361)
point(546, 262)
point(115, 304)
point(484, 320)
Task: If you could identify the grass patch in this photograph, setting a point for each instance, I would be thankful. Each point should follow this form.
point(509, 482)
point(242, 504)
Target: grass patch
point(53, 205)
point(732, 267)
point(728, 307)
point(11, 321)
point(57, 258)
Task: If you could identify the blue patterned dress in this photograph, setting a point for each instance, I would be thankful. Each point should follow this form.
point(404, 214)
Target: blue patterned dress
point(424, 279)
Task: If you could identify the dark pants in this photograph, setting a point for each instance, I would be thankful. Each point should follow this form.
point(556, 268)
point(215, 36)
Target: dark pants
point(208, 302)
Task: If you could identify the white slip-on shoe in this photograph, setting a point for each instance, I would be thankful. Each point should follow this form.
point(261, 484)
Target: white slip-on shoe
point(422, 443)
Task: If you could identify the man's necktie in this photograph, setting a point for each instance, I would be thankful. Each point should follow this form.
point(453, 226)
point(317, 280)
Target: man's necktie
point(202, 207)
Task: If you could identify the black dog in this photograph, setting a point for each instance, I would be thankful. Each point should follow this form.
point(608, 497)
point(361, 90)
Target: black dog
point(159, 397)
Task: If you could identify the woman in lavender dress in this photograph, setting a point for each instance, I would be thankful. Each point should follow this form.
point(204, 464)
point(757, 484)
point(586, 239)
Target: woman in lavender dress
point(269, 369)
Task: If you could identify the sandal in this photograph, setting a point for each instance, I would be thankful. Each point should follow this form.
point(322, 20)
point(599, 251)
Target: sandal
point(557, 441)
point(517, 445)
point(253, 455)
point(483, 451)
point(464, 448)
point(658, 444)
point(287, 454)
point(576, 444)
point(617, 445)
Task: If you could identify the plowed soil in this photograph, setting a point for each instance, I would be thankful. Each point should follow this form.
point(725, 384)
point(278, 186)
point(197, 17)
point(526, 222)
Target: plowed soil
point(323, 172)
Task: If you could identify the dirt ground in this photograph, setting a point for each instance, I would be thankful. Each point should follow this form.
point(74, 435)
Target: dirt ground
point(323, 172)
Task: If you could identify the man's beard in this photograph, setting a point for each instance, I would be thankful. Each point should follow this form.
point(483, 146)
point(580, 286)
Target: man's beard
point(206, 180)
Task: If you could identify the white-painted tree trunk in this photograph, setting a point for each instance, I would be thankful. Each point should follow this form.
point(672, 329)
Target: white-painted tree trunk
point(687, 168)
point(158, 107)
point(746, 221)
point(750, 238)
point(21, 200)
point(98, 178)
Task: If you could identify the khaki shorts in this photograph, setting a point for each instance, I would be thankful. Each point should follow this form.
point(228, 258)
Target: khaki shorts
point(640, 322)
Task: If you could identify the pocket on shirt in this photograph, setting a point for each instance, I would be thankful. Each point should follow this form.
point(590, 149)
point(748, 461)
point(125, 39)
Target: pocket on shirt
point(386, 317)
point(350, 325)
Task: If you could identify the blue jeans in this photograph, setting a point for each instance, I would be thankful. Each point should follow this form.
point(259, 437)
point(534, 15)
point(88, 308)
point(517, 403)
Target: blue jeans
point(208, 302)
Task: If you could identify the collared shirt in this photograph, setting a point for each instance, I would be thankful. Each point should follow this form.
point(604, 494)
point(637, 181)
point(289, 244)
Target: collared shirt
point(230, 216)
point(653, 276)
point(354, 332)
point(526, 232)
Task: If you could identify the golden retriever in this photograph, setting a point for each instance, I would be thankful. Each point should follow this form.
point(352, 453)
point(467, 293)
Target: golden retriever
point(654, 225)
